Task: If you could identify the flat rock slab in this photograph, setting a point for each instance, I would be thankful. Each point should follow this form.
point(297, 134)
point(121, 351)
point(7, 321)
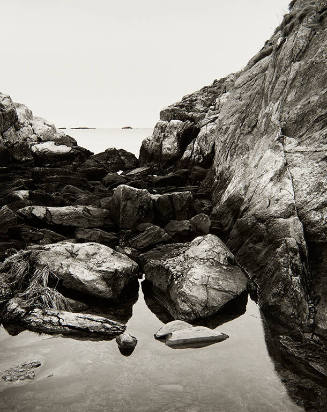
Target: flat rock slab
point(171, 327)
point(21, 372)
point(53, 321)
point(74, 216)
point(196, 336)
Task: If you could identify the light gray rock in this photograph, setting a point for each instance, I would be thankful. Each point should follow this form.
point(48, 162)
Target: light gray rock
point(171, 327)
point(67, 323)
point(75, 216)
point(198, 278)
point(21, 372)
point(126, 341)
point(197, 335)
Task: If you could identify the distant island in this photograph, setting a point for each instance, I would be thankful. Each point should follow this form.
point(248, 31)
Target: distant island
point(127, 127)
point(83, 127)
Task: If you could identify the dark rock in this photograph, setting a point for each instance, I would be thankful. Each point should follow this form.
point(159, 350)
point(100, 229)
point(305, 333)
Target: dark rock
point(111, 160)
point(113, 180)
point(172, 206)
point(180, 230)
point(201, 223)
point(96, 235)
point(151, 236)
point(139, 171)
point(130, 206)
point(126, 343)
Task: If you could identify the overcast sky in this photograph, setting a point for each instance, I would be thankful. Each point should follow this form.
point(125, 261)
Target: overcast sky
point(111, 63)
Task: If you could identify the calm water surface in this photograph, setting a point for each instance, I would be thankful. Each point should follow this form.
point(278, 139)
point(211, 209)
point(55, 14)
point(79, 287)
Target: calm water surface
point(76, 375)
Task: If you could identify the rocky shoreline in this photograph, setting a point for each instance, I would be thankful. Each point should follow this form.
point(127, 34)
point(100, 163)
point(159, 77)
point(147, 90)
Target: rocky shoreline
point(227, 197)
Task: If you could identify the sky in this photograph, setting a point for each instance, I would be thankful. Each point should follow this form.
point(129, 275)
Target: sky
point(111, 63)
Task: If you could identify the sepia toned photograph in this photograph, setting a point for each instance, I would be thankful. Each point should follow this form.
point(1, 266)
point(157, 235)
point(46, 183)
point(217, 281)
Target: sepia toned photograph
point(163, 206)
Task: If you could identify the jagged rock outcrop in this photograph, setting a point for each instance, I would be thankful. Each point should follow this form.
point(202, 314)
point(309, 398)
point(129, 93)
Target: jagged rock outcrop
point(197, 278)
point(262, 131)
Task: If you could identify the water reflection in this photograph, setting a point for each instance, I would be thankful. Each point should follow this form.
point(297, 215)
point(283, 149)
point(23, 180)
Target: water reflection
point(301, 366)
point(157, 302)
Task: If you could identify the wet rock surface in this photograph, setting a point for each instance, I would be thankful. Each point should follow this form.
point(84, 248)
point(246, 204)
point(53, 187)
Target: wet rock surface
point(199, 277)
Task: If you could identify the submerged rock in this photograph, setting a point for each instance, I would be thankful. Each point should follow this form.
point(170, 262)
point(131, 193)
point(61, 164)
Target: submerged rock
point(21, 372)
point(198, 278)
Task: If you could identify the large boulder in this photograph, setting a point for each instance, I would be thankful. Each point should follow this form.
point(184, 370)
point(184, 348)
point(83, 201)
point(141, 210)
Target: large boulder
point(198, 278)
point(88, 268)
point(111, 160)
point(173, 206)
point(130, 206)
point(74, 216)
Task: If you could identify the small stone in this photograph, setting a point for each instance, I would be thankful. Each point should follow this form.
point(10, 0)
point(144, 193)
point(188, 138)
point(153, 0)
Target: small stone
point(21, 372)
point(171, 327)
point(126, 343)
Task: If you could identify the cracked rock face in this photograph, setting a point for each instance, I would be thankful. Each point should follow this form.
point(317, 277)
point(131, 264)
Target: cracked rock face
point(262, 131)
point(89, 268)
point(198, 278)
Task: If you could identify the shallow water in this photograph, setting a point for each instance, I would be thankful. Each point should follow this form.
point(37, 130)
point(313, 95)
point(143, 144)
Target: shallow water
point(98, 140)
point(234, 375)
point(79, 375)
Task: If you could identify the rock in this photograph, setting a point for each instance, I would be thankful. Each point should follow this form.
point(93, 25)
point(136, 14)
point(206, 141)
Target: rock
point(165, 151)
point(201, 223)
point(151, 236)
point(113, 180)
point(67, 323)
point(180, 230)
point(89, 268)
point(21, 372)
point(262, 132)
point(171, 327)
point(8, 115)
point(111, 160)
point(7, 218)
point(96, 235)
point(131, 206)
point(172, 206)
point(50, 151)
point(75, 216)
point(126, 343)
point(139, 171)
point(198, 335)
point(198, 278)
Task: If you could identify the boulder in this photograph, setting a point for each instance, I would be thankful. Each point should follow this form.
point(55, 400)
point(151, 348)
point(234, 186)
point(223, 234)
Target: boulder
point(111, 160)
point(198, 278)
point(113, 180)
point(173, 206)
point(74, 216)
point(131, 206)
point(201, 224)
point(88, 268)
point(151, 236)
point(196, 336)
point(180, 230)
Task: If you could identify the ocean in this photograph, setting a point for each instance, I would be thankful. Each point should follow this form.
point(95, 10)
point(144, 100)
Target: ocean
point(98, 140)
